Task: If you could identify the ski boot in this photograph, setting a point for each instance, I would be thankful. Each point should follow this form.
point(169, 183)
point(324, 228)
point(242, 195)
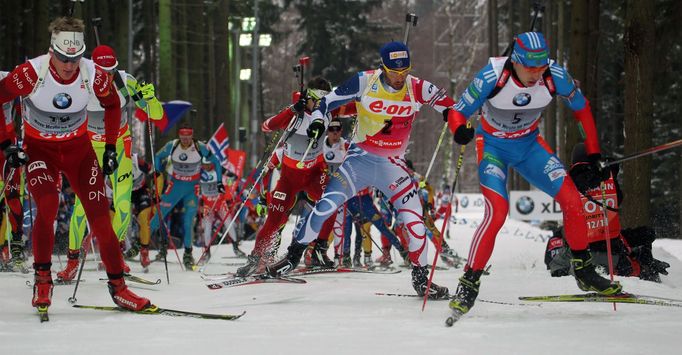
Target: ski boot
point(42, 286)
point(71, 268)
point(467, 291)
point(466, 294)
point(319, 256)
point(368, 260)
point(420, 279)
point(144, 257)
point(17, 263)
point(163, 252)
point(337, 260)
point(346, 262)
point(385, 259)
point(289, 262)
point(250, 267)
point(238, 252)
point(356, 259)
point(133, 251)
point(450, 257)
point(188, 259)
point(588, 279)
point(125, 298)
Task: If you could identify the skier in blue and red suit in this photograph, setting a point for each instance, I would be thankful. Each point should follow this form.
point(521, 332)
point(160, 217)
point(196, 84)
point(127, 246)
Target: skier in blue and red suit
point(512, 93)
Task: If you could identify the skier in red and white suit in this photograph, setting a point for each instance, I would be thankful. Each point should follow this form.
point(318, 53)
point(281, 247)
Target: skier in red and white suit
point(311, 178)
point(56, 88)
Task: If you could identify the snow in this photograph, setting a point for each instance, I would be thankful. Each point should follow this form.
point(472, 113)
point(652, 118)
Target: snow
point(339, 313)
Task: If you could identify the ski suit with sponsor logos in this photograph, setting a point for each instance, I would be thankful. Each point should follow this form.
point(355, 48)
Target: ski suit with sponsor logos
point(508, 136)
point(121, 180)
point(215, 206)
point(311, 178)
point(13, 191)
point(376, 157)
point(183, 181)
point(55, 126)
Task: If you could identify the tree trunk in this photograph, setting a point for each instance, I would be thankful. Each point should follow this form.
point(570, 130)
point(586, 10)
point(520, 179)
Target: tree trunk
point(639, 58)
point(166, 70)
point(222, 72)
point(550, 113)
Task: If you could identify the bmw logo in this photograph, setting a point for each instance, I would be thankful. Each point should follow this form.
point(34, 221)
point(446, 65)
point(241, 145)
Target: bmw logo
point(183, 157)
point(62, 101)
point(464, 202)
point(521, 99)
point(329, 155)
point(525, 205)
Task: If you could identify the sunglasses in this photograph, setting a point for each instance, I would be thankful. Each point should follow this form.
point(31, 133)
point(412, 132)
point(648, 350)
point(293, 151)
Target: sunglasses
point(536, 70)
point(317, 94)
point(402, 72)
point(66, 59)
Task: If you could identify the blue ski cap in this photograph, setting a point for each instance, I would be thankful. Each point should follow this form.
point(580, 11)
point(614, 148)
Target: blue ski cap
point(530, 50)
point(395, 55)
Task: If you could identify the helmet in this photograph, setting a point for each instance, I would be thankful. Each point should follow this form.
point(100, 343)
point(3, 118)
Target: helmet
point(67, 45)
point(395, 55)
point(530, 50)
point(105, 57)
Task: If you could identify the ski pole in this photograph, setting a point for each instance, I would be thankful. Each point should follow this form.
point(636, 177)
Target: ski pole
point(448, 212)
point(602, 187)
point(162, 222)
point(267, 153)
point(649, 151)
point(410, 21)
point(301, 163)
point(82, 256)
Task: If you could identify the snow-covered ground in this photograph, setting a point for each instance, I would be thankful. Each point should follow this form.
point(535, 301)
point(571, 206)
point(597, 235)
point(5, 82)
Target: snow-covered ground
point(340, 314)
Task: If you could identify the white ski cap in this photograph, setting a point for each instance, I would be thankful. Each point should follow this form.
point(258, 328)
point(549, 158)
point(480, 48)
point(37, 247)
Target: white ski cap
point(67, 43)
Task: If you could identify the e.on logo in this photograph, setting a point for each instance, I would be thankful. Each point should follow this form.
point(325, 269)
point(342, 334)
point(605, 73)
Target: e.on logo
point(393, 109)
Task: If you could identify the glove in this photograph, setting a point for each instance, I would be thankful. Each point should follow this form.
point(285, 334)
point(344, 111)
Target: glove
point(464, 135)
point(221, 188)
point(599, 166)
point(300, 105)
point(147, 90)
point(315, 129)
point(262, 206)
point(15, 156)
point(109, 161)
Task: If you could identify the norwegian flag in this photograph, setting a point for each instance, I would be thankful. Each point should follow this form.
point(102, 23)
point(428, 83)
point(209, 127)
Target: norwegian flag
point(219, 143)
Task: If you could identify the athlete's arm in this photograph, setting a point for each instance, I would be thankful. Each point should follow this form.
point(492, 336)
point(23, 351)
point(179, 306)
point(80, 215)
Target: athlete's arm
point(162, 154)
point(18, 82)
point(566, 88)
point(350, 90)
point(106, 93)
point(473, 97)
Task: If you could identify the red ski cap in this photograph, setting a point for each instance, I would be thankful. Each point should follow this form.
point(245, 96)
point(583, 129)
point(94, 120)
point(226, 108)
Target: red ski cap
point(105, 57)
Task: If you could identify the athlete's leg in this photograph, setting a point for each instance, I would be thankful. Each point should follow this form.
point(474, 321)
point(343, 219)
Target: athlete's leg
point(122, 187)
point(544, 170)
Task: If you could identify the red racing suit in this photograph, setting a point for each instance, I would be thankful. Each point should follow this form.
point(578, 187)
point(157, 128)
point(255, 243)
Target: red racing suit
point(56, 141)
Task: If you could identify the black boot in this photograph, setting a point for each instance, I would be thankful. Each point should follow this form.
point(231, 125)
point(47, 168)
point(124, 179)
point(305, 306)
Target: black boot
point(467, 291)
point(250, 267)
point(289, 262)
point(319, 256)
point(188, 260)
point(420, 277)
point(17, 262)
point(587, 278)
point(357, 258)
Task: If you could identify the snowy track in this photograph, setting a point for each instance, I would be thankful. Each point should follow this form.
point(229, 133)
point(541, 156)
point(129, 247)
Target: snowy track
point(339, 313)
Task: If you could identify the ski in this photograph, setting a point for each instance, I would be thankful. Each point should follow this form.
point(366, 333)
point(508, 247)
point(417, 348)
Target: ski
point(216, 284)
point(324, 270)
point(165, 312)
point(42, 314)
point(136, 279)
point(407, 295)
point(619, 298)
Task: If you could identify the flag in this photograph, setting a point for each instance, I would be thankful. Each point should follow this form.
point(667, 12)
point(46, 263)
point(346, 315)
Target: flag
point(173, 111)
point(219, 144)
point(235, 162)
